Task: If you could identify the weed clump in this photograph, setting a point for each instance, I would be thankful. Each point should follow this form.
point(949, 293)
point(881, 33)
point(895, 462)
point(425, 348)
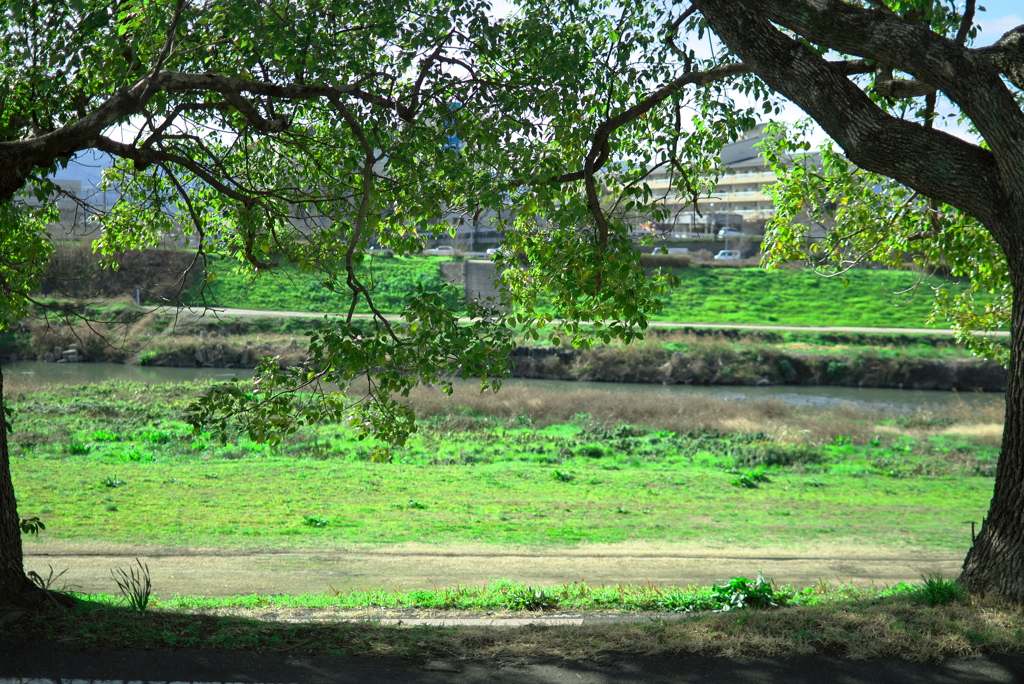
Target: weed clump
point(935, 590)
point(751, 480)
point(740, 592)
point(768, 454)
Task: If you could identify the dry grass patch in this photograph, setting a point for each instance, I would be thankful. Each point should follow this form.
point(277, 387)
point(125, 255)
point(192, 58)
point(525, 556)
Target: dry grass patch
point(887, 630)
point(773, 417)
point(876, 628)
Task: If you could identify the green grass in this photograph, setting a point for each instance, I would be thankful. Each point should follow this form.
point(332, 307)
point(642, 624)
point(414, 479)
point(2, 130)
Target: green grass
point(509, 596)
point(800, 297)
point(704, 295)
point(115, 462)
point(391, 280)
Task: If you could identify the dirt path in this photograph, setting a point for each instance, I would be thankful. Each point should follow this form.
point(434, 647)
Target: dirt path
point(422, 566)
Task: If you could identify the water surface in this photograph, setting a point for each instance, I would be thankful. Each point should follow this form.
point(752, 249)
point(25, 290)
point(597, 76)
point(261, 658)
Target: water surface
point(30, 375)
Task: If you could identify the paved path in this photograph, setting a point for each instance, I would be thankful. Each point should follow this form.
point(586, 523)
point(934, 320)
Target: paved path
point(53, 663)
point(219, 311)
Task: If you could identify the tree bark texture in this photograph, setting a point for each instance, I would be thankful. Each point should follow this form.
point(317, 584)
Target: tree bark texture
point(14, 585)
point(986, 183)
point(995, 564)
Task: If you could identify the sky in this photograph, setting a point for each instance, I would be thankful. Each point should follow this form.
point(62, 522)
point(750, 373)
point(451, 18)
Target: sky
point(1000, 16)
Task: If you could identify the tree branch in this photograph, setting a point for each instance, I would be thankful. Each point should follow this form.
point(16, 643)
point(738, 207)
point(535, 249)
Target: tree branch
point(934, 163)
point(966, 22)
point(600, 145)
point(1007, 55)
point(970, 78)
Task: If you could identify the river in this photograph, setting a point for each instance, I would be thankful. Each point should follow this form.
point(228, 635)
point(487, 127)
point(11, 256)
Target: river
point(30, 375)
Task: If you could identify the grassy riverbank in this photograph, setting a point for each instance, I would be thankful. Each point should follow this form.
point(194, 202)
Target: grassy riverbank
point(121, 332)
point(114, 462)
point(793, 296)
point(391, 280)
point(706, 294)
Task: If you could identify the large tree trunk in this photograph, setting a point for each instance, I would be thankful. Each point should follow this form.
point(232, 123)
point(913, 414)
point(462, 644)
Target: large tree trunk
point(987, 183)
point(995, 564)
point(15, 587)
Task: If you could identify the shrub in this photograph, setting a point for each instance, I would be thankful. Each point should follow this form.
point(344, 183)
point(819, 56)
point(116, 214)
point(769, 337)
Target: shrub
point(935, 590)
point(741, 592)
point(750, 480)
point(591, 450)
point(769, 454)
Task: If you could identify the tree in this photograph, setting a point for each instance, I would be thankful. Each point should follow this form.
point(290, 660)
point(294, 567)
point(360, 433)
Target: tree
point(23, 252)
point(784, 43)
point(292, 131)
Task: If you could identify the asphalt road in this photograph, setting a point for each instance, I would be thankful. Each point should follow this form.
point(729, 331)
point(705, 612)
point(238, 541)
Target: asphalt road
point(54, 663)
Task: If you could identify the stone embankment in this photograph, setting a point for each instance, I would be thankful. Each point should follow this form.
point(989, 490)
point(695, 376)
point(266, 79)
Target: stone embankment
point(721, 364)
point(758, 367)
point(59, 355)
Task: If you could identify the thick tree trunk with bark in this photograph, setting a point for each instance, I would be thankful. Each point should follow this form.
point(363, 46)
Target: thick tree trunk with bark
point(995, 564)
point(14, 585)
point(986, 183)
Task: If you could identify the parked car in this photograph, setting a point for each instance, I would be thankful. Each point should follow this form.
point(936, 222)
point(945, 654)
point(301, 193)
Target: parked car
point(729, 232)
point(442, 250)
point(377, 250)
point(498, 251)
point(678, 250)
point(729, 255)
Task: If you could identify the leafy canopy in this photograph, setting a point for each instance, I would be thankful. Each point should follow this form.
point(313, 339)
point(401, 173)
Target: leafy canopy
point(300, 131)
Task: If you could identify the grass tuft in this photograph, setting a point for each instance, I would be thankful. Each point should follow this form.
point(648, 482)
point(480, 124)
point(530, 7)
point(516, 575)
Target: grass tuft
point(135, 585)
point(935, 590)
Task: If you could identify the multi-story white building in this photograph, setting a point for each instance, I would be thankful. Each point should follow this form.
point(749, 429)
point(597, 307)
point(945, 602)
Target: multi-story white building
point(739, 200)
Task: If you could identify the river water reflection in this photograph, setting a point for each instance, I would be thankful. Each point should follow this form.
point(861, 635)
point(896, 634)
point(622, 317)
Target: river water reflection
point(30, 375)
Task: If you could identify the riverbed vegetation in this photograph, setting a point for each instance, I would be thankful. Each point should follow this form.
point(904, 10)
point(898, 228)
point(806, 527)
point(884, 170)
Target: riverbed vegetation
point(117, 462)
point(121, 332)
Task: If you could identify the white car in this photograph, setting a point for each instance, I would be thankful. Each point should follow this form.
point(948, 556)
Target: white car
point(729, 232)
point(442, 250)
point(729, 255)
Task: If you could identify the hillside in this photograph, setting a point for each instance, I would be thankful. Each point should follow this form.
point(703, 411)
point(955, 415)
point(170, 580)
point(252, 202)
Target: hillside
point(706, 294)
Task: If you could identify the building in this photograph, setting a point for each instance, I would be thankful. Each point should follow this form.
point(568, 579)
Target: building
point(739, 200)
